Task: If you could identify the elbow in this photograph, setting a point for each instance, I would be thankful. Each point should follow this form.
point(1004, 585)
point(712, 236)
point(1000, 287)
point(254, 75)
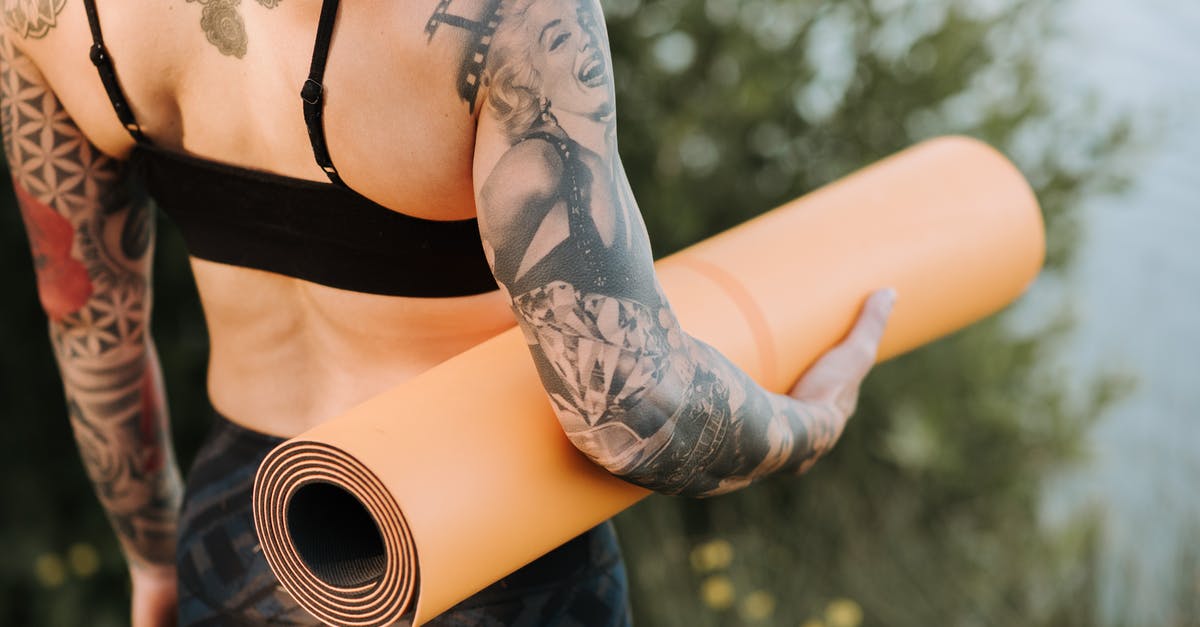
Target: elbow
point(661, 444)
point(619, 450)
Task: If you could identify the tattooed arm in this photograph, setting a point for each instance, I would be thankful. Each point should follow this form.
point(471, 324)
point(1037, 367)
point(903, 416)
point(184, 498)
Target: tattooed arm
point(91, 234)
point(632, 390)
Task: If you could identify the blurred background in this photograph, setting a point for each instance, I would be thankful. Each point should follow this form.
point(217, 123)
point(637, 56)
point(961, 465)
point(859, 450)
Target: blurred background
point(1039, 468)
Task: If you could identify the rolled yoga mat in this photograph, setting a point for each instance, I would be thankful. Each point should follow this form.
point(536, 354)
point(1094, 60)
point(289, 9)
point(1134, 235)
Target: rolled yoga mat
point(433, 490)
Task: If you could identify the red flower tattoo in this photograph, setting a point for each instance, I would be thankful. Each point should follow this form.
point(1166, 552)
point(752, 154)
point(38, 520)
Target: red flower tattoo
point(63, 283)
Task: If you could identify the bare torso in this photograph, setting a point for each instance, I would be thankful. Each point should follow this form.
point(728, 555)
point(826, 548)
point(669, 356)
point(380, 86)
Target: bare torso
point(288, 354)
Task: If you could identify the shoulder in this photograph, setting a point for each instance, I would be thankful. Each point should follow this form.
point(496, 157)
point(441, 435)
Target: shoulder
point(41, 33)
point(30, 19)
point(27, 22)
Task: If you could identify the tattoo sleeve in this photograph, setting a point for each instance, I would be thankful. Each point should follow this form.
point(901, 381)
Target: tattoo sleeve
point(566, 241)
point(91, 234)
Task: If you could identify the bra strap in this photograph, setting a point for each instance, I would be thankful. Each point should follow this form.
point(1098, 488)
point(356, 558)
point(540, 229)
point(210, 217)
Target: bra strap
point(313, 92)
point(108, 76)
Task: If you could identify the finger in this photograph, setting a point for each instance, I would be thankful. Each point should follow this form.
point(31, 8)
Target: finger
point(847, 400)
point(841, 367)
point(856, 353)
point(872, 322)
point(847, 364)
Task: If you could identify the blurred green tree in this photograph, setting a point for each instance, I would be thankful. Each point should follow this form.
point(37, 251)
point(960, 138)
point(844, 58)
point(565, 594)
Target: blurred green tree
point(927, 512)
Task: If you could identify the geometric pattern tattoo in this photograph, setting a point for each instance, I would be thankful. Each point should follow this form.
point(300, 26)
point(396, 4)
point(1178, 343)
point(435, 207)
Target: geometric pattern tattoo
point(223, 26)
point(31, 19)
point(91, 237)
point(632, 391)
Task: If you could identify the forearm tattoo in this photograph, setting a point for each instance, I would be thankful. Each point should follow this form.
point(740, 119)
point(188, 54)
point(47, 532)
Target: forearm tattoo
point(631, 389)
point(91, 236)
point(223, 25)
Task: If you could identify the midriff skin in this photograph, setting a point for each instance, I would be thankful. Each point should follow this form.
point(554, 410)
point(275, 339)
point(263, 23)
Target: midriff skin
point(288, 354)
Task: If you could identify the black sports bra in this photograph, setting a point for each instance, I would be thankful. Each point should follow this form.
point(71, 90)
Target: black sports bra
point(320, 232)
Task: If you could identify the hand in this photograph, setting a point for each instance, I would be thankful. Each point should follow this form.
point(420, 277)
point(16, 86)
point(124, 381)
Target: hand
point(832, 382)
point(155, 596)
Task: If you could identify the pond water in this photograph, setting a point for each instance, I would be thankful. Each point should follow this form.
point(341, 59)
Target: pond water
point(1134, 288)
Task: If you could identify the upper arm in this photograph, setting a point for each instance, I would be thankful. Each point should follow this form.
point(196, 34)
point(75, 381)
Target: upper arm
point(546, 143)
point(567, 240)
point(522, 182)
point(90, 230)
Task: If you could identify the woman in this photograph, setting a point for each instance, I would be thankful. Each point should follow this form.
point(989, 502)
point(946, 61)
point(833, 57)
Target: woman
point(320, 295)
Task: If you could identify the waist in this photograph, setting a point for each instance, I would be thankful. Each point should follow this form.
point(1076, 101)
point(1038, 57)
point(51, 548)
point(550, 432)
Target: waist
point(286, 355)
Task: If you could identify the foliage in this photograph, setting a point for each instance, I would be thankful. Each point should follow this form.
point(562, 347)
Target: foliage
point(927, 512)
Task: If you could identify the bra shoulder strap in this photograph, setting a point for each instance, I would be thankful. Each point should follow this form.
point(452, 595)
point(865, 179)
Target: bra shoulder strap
point(313, 92)
point(108, 76)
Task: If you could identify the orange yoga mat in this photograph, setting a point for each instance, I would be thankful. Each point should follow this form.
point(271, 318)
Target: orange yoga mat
point(433, 490)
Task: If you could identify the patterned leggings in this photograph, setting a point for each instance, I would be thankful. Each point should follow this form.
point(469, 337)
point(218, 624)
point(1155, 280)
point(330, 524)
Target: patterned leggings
point(225, 581)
